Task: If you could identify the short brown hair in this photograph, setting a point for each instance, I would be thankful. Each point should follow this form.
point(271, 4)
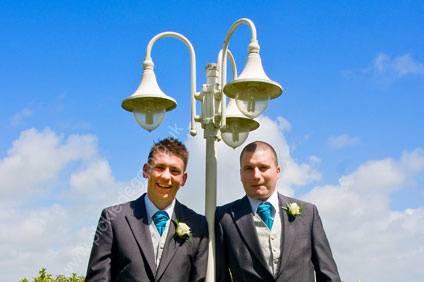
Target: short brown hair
point(169, 145)
point(252, 147)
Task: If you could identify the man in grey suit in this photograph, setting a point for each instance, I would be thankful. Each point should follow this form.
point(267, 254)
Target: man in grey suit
point(154, 238)
point(266, 236)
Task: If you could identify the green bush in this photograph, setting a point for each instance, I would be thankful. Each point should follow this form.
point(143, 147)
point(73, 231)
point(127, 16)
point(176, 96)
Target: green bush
point(44, 276)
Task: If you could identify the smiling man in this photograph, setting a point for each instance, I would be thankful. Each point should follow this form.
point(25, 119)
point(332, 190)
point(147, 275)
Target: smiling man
point(154, 238)
point(266, 236)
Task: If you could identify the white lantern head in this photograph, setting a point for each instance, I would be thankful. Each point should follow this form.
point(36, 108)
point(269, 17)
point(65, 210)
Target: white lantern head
point(253, 89)
point(148, 103)
point(237, 126)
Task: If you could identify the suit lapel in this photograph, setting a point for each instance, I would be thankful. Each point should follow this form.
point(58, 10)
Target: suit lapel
point(242, 215)
point(287, 234)
point(171, 243)
point(139, 226)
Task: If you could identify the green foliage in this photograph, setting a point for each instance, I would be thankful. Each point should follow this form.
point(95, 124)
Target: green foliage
point(44, 276)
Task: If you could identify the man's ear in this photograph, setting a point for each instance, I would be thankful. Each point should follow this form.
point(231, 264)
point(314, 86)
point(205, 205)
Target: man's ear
point(146, 170)
point(184, 179)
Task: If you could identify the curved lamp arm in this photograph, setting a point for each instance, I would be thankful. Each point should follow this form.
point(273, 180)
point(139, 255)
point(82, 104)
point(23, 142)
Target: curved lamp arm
point(148, 63)
point(253, 46)
point(223, 69)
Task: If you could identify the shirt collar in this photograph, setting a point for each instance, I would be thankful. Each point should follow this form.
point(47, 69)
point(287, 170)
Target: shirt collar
point(151, 209)
point(273, 200)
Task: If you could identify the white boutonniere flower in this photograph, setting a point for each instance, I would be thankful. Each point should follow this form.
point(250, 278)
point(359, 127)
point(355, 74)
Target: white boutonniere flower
point(182, 230)
point(293, 210)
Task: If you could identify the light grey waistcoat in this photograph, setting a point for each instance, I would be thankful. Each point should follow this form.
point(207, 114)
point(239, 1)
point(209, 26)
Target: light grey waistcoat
point(269, 240)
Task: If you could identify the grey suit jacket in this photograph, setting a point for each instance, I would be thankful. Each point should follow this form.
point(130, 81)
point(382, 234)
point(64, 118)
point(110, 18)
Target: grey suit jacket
point(123, 248)
point(304, 246)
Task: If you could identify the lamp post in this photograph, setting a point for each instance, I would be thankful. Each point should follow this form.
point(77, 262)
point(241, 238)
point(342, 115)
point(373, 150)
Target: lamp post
point(249, 94)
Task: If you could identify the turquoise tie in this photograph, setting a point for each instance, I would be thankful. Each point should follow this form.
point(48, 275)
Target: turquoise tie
point(160, 218)
point(265, 212)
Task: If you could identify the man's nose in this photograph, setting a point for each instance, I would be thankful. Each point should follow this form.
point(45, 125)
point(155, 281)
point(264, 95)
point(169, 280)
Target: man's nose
point(166, 174)
point(256, 173)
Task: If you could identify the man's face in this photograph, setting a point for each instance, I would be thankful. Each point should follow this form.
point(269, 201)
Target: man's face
point(259, 173)
point(165, 175)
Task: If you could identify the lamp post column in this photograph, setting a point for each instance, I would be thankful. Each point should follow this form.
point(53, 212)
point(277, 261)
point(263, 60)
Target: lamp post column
point(211, 174)
point(210, 96)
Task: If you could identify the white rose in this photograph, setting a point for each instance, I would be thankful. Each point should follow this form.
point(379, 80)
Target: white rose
point(183, 229)
point(294, 209)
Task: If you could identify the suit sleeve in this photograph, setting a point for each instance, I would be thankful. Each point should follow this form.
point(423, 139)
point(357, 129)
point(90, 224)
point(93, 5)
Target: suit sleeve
point(221, 261)
point(99, 264)
point(200, 261)
point(322, 258)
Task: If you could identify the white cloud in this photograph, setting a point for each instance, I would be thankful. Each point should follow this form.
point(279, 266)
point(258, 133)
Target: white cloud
point(283, 124)
point(43, 237)
point(370, 241)
point(385, 69)
point(341, 141)
point(19, 117)
point(35, 160)
point(314, 159)
point(400, 66)
point(53, 189)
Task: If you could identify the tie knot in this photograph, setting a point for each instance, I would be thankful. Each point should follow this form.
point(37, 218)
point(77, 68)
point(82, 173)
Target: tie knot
point(265, 212)
point(265, 208)
point(160, 218)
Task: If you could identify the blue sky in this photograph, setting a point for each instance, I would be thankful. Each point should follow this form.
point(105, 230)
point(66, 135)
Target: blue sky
point(348, 127)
